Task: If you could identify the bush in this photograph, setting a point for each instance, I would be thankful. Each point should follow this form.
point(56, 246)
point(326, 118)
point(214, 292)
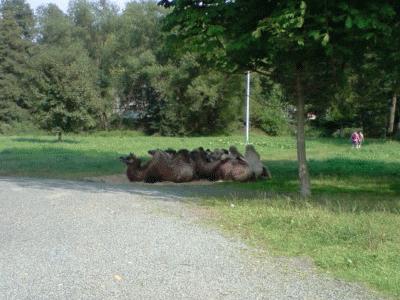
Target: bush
point(17, 128)
point(347, 131)
point(268, 111)
point(273, 122)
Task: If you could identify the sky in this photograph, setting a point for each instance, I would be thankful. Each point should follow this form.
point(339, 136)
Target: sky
point(63, 4)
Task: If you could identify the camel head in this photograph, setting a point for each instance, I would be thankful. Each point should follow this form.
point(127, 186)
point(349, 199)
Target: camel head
point(130, 160)
point(152, 152)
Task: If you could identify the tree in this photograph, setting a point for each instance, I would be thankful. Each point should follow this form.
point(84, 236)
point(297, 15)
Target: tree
point(15, 46)
point(304, 45)
point(197, 100)
point(66, 89)
point(96, 24)
point(65, 85)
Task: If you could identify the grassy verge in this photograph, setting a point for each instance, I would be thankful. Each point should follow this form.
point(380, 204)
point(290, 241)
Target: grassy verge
point(352, 241)
point(349, 227)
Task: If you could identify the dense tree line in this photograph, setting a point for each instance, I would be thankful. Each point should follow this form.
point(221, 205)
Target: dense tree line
point(97, 67)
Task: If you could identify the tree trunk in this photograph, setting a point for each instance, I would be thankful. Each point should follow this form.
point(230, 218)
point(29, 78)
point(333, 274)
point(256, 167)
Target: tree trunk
point(59, 135)
point(398, 126)
point(392, 115)
point(304, 178)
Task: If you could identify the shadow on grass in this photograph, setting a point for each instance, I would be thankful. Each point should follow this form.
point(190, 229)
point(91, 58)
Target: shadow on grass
point(333, 177)
point(347, 141)
point(59, 163)
point(44, 141)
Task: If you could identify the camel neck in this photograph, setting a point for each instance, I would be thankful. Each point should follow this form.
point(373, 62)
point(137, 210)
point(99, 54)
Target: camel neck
point(136, 173)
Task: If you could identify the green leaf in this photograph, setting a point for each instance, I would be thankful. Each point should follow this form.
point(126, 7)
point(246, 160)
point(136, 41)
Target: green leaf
point(257, 33)
point(303, 7)
point(360, 22)
point(315, 34)
point(325, 39)
point(349, 22)
point(215, 30)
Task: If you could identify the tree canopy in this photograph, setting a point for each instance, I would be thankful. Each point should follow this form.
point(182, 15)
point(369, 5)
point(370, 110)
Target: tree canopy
point(309, 47)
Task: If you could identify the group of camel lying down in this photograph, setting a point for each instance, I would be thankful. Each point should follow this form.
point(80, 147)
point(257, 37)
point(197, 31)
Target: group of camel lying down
point(185, 165)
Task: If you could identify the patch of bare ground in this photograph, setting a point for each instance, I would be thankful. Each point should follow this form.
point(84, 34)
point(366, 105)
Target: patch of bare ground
point(122, 179)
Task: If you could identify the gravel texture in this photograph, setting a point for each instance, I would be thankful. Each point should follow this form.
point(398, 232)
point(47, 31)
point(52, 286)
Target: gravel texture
point(74, 240)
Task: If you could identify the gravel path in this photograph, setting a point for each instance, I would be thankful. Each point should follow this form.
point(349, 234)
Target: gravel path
point(70, 240)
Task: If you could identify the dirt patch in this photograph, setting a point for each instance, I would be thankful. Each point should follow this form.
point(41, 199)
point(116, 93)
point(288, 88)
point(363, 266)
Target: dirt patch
point(198, 189)
point(112, 179)
point(122, 179)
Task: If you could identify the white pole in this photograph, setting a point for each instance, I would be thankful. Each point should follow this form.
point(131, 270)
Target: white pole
point(247, 107)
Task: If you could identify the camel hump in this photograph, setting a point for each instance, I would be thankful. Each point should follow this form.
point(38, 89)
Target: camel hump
point(234, 153)
point(253, 159)
point(170, 151)
point(250, 150)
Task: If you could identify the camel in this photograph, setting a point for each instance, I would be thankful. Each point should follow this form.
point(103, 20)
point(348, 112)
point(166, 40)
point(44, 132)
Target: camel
point(204, 167)
point(234, 166)
point(137, 172)
point(234, 169)
point(253, 159)
point(221, 164)
point(184, 166)
point(217, 154)
point(234, 153)
point(162, 167)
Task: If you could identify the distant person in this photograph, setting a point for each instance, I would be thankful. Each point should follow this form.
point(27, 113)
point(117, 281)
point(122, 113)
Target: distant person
point(360, 139)
point(355, 139)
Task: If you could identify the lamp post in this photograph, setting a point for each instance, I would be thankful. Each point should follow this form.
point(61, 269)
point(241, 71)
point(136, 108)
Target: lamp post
point(247, 107)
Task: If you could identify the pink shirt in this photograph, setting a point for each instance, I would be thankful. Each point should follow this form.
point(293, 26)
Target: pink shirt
point(355, 137)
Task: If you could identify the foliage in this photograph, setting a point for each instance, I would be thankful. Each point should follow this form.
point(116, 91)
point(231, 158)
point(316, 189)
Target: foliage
point(134, 63)
point(196, 100)
point(167, 94)
point(15, 73)
point(304, 46)
point(65, 90)
point(268, 108)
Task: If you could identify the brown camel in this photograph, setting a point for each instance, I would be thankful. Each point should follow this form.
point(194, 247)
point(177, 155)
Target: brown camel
point(204, 168)
point(253, 159)
point(217, 154)
point(137, 172)
point(234, 169)
point(160, 168)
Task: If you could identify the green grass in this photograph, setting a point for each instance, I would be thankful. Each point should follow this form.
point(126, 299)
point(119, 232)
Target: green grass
point(350, 226)
point(356, 244)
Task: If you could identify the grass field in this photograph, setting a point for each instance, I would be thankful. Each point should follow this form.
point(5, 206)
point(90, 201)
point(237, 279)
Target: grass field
point(350, 226)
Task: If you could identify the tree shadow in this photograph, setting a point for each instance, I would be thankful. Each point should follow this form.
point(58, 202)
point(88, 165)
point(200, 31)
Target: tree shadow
point(165, 192)
point(347, 141)
point(44, 141)
point(335, 177)
point(338, 176)
point(71, 164)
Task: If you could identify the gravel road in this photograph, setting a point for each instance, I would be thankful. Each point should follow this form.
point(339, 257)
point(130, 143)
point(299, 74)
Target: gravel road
point(74, 240)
